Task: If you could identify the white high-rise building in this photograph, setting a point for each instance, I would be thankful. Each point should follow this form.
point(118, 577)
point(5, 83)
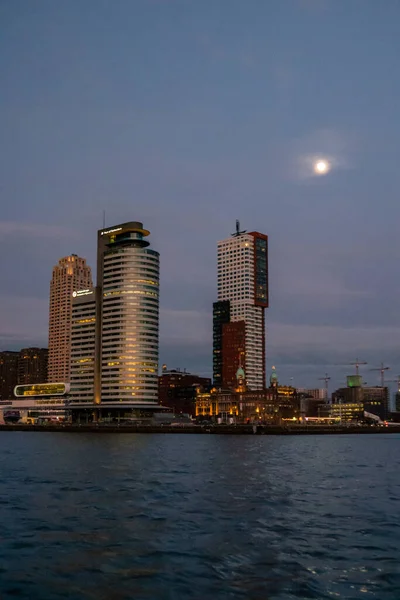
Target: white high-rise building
point(114, 350)
point(239, 314)
point(83, 343)
point(128, 274)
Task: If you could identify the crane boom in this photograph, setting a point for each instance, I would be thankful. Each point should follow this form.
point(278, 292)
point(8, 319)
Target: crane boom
point(382, 370)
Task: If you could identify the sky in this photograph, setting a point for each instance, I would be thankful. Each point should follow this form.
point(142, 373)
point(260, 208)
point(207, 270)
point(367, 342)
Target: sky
point(187, 115)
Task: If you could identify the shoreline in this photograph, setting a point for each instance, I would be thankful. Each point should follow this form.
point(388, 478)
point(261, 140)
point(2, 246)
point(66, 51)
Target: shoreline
point(205, 429)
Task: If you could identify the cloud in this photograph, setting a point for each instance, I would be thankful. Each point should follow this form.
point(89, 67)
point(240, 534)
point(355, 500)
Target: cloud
point(35, 229)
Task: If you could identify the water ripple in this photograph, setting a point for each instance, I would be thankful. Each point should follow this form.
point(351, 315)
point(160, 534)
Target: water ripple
point(175, 517)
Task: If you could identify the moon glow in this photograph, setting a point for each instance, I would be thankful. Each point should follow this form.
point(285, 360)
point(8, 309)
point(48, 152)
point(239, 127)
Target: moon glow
point(321, 167)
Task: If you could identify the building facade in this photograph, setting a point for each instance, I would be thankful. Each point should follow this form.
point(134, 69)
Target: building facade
point(233, 351)
point(177, 389)
point(273, 405)
point(8, 373)
point(83, 344)
point(375, 400)
point(315, 393)
point(221, 316)
point(243, 283)
point(127, 338)
point(114, 353)
point(33, 365)
point(397, 402)
point(36, 403)
point(70, 274)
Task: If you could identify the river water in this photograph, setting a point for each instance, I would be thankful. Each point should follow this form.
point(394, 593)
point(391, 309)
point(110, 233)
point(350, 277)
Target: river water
point(120, 516)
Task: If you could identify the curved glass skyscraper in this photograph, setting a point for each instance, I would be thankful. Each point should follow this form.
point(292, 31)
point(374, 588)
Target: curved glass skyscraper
point(126, 366)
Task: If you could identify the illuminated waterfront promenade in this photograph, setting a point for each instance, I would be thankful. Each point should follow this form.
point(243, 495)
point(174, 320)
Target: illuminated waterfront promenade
point(207, 429)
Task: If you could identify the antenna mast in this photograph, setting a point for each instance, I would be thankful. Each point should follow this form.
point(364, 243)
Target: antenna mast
point(238, 232)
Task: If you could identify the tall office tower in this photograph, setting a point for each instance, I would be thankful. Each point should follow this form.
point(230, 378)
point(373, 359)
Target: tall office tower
point(83, 343)
point(8, 374)
point(243, 283)
point(71, 273)
point(127, 316)
point(32, 365)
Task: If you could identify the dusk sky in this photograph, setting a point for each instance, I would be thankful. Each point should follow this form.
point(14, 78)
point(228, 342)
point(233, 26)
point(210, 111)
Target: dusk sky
point(187, 115)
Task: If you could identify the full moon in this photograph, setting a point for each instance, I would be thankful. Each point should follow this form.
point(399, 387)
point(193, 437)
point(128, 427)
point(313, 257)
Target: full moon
point(321, 167)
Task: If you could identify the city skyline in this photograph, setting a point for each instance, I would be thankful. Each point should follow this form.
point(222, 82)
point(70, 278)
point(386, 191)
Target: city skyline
point(222, 125)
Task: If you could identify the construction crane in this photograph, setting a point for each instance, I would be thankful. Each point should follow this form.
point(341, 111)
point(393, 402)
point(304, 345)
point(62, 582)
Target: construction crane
point(357, 364)
point(382, 370)
point(395, 381)
point(326, 379)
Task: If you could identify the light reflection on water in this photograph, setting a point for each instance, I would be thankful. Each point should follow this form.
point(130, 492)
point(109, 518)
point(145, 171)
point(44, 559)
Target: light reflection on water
point(118, 516)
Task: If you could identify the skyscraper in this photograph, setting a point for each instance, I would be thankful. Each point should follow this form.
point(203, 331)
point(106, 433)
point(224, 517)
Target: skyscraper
point(115, 328)
point(83, 344)
point(33, 365)
point(242, 299)
point(71, 273)
point(128, 304)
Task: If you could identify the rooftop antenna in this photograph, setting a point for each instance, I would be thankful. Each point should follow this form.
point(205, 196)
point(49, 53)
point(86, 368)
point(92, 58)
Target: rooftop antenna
point(104, 219)
point(238, 232)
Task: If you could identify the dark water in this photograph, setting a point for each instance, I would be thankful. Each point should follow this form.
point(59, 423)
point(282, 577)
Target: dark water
point(187, 516)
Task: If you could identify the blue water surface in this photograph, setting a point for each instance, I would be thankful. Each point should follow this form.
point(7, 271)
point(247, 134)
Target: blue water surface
point(119, 516)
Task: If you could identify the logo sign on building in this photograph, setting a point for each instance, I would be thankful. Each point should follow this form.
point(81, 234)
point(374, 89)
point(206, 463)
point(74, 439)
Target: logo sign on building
point(111, 231)
point(80, 293)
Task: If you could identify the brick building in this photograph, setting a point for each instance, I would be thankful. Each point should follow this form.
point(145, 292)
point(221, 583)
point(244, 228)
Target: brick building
point(177, 390)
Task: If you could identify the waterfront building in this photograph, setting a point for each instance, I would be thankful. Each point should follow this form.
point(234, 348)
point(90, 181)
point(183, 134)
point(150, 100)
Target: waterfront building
point(83, 344)
point(375, 399)
point(239, 314)
point(32, 365)
point(344, 412)
point(116, 330)
point(71, 273)
point(265, 406)
point(177, 389)
point(128, 301)
point(273, 405)
point(37, 403)
point(8, 373)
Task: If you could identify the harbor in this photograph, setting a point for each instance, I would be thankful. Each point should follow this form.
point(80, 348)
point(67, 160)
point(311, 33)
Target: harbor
point(205, 429)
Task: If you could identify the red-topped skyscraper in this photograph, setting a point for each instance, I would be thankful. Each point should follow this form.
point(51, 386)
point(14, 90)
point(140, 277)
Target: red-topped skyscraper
point(239, 314)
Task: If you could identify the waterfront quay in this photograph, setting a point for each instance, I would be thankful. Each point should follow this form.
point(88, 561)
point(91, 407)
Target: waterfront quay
point(205, 429)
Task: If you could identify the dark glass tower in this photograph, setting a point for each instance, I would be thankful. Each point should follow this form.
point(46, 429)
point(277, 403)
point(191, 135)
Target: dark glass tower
point(221, 315)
